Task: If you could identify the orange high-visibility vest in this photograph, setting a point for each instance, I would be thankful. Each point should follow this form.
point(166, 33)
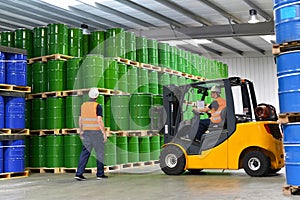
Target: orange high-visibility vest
point(216, 114)
point(89, 118)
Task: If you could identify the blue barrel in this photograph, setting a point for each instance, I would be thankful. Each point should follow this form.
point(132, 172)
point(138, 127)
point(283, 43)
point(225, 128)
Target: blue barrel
point(291, 141)
point(14, 156)
point(2, 112)
point(15, 112)
point(288, 71)
point(287, 18)
point(1, 157)
point(2, 68)
point(16, 69)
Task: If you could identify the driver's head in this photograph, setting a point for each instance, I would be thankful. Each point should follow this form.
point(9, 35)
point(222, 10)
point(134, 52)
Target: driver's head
point(215, 90)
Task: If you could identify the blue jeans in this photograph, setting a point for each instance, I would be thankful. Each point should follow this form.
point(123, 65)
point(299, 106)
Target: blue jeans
point(91, 139)
point(203, 126)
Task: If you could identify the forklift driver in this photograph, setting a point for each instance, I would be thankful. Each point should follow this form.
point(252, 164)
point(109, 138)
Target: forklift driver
point(215, 108)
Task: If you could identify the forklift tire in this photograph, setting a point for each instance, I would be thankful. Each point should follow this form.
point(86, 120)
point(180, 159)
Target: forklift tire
point(256, 164)
point(274, 171)
point(172, 160)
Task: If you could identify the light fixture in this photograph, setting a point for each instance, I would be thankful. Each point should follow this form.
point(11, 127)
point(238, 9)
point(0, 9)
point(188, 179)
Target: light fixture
point(253, 17)
point(85, 29)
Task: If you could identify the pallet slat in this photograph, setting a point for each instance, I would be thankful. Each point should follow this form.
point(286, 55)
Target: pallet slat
point(8, 131)
point(285, 118)
point(49, 57)
point(5, 176)
point(15, 88)
point(285, 47)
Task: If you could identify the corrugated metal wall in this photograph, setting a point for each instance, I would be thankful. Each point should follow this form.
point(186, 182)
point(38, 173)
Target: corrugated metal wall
point(262, 71)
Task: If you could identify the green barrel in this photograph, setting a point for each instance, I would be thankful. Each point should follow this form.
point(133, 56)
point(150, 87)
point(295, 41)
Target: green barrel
point(110, 73)
point(173, 79)
point(122, 149)
point(73, 104)
point(180, 58)
point(54, 151)
point(141, 49)
point(92, 71)
point(55, 118)
point(195, 64)
point(24, 40)
point(173, 57)
point(143, 80)
point(57, 38)
point(85, 44)
point(92, 161)
point(164, 79)
point(7, 38)
point(188, 66)
point(225, 70)
point(153, 82)
point(152, 52)
point(144, 148)
point(38, 151)
point(27, 151)
point(115, 42)
point(38, 115)
point(39, 77)
point(164, 55)
point(122, 77)
point(119, 112)
point(72, 149)
point(156, 112)
point(139, 107)
point(157, 100)
point(107, 111)
point(132, 77)
point(75, 42)
point(130, 45)
point(29, 75)
point(97, 42)
point(28, 111)
point(110, 151)
point(56, 75)
point(133, 149)
point(185, 63)
point(40, 41)
point(74, 78)
point(154, 147)
point(181, 80)
point(162, 140)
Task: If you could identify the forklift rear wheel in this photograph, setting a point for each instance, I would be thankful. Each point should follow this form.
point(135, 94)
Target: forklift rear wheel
point(256, 163)
point(172, 160)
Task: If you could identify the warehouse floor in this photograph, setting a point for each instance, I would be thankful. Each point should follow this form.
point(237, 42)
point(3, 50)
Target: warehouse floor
point(146, 182)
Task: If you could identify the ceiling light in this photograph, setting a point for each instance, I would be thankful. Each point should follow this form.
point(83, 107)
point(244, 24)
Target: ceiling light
point(253, 17)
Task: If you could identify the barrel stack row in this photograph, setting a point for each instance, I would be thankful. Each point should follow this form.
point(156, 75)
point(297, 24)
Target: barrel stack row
point(287, 28)
point(56, 151)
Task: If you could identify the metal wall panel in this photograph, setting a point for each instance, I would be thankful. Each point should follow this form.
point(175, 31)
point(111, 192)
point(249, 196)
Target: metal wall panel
point(262, 71)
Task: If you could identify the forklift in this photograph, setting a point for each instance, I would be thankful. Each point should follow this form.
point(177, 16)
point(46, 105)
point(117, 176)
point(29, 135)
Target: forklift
point(247, 137)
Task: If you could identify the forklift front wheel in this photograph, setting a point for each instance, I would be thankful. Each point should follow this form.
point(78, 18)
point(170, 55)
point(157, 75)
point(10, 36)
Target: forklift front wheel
point(172, 160)
point(256, 163)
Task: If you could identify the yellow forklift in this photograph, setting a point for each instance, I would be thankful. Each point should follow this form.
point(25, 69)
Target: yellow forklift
point(247, 137)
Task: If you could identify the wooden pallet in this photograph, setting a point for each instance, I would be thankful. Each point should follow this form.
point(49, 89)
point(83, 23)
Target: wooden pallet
point(112, 168)
point(78, 92)
point(15, 88)
point(8, 131)
point(291, 190)
point(166, 70)
point(44, 95)
point(70, 130)
point(46, 132)
point(285, 118)
point(199, 78)
point(150, 67)
point(188, 75)
point(68, 170)
point(43, 170)
point(285, 47)
point(49, 57)
point(10, 175)
point(127, 61)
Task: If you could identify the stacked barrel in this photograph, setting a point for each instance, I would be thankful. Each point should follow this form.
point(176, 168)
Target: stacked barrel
point(12, 108)
point(111, 59)
point(287, 13)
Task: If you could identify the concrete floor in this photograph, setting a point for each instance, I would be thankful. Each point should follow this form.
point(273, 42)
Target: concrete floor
point(145, 183)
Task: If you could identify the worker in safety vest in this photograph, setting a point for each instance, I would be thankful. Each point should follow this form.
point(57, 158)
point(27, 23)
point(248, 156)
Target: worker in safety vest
point(93, 135)
point(215, 108)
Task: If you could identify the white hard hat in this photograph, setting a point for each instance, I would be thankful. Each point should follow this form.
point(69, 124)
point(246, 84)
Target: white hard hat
point(93, 93)
point(216, 89)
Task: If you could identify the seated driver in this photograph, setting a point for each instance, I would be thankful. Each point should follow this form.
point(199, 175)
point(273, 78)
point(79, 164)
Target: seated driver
point(215, 108)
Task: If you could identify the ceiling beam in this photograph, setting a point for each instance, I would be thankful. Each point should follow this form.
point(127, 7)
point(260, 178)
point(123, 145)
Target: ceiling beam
point(210, 49)
point(123, 15)
point(211, 32)
point(184, 11)
point(221, 11)
point(250, 45)
point(151, 13)
point(97, 18)
point(259, 10)
point(228, 47)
